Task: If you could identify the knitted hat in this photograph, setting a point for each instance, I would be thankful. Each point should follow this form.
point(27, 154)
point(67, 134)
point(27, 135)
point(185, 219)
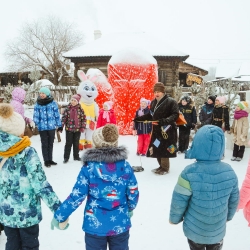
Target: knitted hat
point(76, 97)
point(10, 121)
point(212, 98)
point(45, 90)
point(145, 100)
point(221, 99)
point(186, 98)
point(109, 104)
point(159, 87)
point(244, 105)
point(106, 136)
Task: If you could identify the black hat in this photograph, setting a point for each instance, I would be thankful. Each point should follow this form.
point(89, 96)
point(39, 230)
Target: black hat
point(212, 98)
point(186, 98)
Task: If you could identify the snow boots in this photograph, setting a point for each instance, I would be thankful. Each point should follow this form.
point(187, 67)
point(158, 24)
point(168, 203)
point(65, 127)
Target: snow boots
point(164, 166)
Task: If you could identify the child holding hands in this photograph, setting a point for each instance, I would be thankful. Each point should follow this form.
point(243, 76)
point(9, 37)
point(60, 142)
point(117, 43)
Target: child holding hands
point(109, 184)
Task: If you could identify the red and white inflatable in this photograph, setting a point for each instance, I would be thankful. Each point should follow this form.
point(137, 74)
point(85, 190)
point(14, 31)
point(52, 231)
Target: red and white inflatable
point(132, 74)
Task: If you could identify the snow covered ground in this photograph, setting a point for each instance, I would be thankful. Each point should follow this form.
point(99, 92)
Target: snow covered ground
point(151, 229)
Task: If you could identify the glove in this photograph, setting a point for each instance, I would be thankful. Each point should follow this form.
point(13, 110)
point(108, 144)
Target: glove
point(81, 130)
point(147, 117)
point(32, 124)
point(60, 129)
point(59, 225)
point(163, 122)
point(193, 126)
point(130, 214)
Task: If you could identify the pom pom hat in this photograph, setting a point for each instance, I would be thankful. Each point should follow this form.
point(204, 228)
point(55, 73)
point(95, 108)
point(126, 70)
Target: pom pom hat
point(10, 121)
point(159, 87)
point(212, 98)
point(186, 98)
point(109, 104)
point(45, 90)
point(106, 136)
point(76, 97)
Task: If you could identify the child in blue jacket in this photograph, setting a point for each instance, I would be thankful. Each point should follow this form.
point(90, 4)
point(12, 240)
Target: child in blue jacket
point(109, 184)
point(47, 118)
point(206, 194)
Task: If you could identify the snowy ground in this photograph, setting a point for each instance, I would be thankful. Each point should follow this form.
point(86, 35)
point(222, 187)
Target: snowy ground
point(150, 230)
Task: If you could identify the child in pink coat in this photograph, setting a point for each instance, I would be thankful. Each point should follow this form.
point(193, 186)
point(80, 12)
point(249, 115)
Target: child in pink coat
point(106, 115)
point(245, 195)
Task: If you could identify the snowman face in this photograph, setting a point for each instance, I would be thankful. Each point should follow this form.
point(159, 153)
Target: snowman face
point(88, 91)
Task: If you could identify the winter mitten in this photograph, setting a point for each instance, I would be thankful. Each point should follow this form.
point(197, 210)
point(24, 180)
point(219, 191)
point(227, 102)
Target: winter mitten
point(130, 214)
point(32, 124)
point(81, 130)
point(59, 225)
point(60, 129)
point(163, 122)
point(193, 126)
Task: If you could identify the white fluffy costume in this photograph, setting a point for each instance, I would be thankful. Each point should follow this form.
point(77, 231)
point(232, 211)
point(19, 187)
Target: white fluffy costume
point(88, 92)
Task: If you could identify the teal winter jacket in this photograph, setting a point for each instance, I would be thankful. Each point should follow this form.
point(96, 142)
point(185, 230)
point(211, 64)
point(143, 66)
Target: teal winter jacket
point(22, 186)
point(206, 194)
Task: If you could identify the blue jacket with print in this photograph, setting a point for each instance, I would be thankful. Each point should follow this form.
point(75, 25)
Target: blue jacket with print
point(206, 194)
point(46, 114)
point(22, 186)
point(109, 183)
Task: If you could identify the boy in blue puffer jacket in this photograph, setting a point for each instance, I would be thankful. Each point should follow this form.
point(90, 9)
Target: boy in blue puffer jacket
point(109, 184)
point(206, 194)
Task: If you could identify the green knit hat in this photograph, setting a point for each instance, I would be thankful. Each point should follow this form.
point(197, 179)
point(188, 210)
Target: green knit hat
point(243, 105)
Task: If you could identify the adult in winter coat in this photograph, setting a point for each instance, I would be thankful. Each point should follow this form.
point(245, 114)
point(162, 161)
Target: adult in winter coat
point(187, 108)
point(206, 112)
point(240, 130)
point(109, 184)
point(220, 116)
point(47, 118)
point(165, 111)
point(206, 194)
point(141, 129)
point(18, 96)
point(22, 184)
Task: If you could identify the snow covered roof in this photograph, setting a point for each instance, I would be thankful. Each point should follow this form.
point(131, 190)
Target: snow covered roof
point(110, 44)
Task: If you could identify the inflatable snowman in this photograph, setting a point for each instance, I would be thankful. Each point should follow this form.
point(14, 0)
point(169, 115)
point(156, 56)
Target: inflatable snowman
point(88, 92)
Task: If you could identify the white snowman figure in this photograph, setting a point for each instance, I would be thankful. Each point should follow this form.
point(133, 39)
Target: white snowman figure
point(88, 92)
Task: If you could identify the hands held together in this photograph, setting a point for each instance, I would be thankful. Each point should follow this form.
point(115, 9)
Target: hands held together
point(59, 225)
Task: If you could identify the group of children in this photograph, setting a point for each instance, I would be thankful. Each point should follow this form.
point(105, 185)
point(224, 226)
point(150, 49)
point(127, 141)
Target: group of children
point(107, 180)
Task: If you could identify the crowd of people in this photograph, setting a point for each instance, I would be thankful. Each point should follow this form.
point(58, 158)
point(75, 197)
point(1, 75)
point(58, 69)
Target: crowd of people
point(107, 180)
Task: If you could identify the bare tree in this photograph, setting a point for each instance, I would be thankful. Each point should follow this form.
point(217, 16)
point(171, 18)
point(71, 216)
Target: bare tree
point(41, 44)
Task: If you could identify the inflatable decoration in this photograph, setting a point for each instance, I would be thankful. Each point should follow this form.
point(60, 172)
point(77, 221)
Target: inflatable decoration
point(88, 92)
point(132, 74)
point(105, 91)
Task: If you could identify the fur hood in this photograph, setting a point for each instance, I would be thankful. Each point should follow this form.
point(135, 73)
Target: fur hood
point(108, 154)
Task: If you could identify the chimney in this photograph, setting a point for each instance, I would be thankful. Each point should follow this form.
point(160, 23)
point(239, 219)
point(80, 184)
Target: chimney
point(97, 34)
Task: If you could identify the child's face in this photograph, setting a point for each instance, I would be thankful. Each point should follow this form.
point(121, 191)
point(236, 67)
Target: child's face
point(105, 107)
point(184, 102)
point(209, 101)
point(237, 108)
point(143, 105)
point(73, 102)
point(42, 95)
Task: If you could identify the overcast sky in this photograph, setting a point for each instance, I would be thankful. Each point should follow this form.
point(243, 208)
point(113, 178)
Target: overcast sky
point(201, 28)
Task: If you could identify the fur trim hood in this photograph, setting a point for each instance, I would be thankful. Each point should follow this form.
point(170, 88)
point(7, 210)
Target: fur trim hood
point(108, 155)
point(106, 163)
